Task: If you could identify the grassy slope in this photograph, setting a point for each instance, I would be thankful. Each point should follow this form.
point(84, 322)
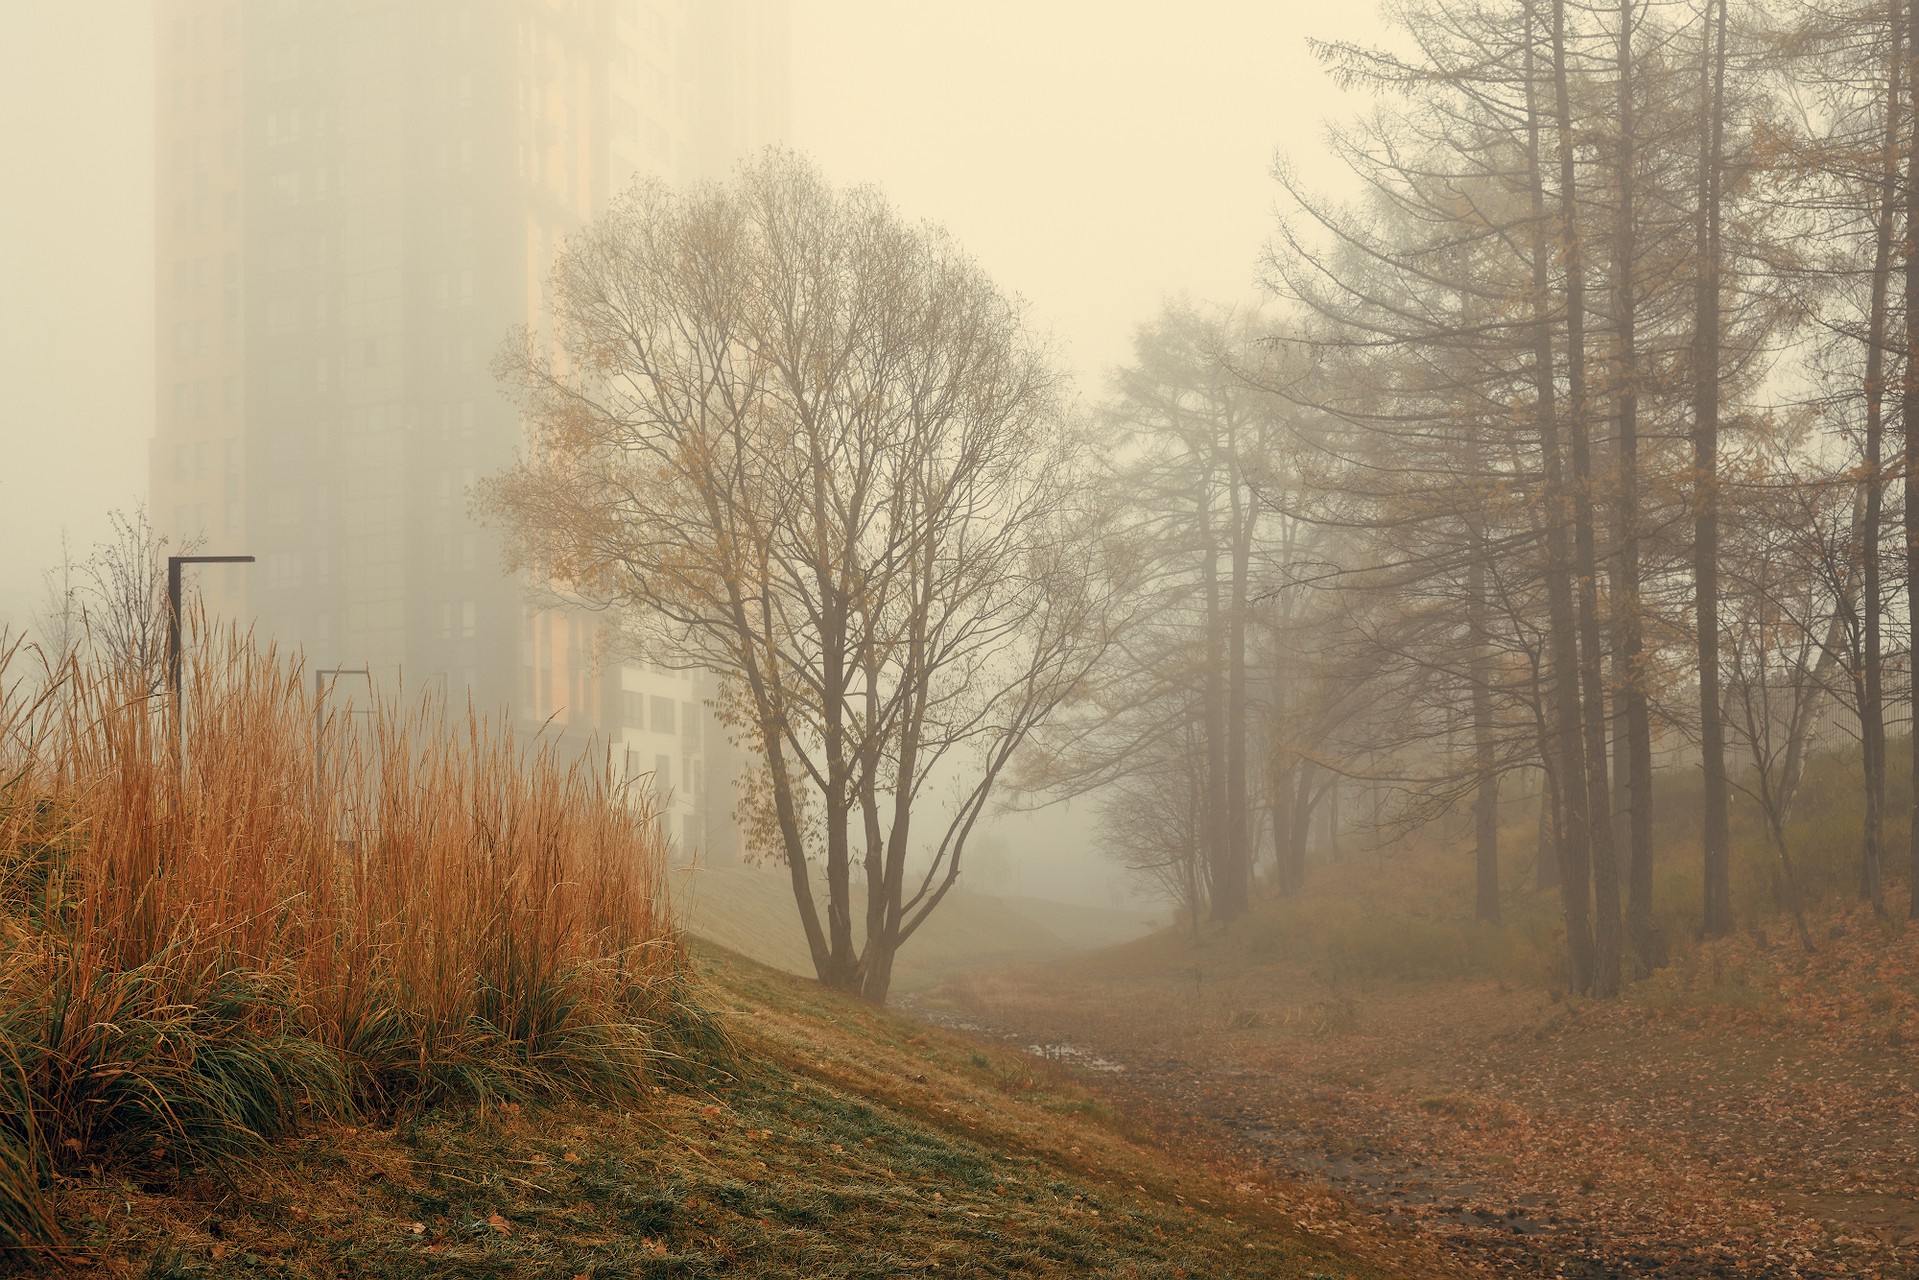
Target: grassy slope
point(751, 911)
point(847, 1142)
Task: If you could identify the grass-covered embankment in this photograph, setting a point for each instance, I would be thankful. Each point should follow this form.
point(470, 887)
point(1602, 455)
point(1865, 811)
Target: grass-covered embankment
point(831, 1139)
point(294, 924)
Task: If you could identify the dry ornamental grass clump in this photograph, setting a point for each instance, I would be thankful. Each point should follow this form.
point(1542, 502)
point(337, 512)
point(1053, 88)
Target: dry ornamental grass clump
point(299, 915)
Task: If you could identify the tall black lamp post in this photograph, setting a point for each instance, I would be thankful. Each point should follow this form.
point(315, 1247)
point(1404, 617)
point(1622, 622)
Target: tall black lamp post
point(173, 612)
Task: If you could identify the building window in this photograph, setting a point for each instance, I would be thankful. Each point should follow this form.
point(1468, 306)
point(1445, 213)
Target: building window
point(283, 569)
point(663, 716)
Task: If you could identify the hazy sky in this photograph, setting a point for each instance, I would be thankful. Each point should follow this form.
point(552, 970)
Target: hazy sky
point(1096, 155)
point(76, 276)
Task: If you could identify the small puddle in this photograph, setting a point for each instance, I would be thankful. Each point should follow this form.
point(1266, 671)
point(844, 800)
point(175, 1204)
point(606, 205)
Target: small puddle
point(1073, 1055)
point(1070, 1054)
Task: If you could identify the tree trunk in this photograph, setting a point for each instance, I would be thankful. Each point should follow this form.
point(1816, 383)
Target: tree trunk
point(1485, 749)
point(1576, 828)
point(1715, 837)
point(1633, 704)
point(1485, 817)
point(1872, 717)
point(839, 881)
point(1592, 680)
point(1547, 868)
point(1195, 816)
point(1218, 872)
point(1550, 841)
point(1909, 420)
point(1805, 707)
point(1279, 776)
point(1301, 828)
point(1332, 819)
point(1239, 855)
point(1282, 827)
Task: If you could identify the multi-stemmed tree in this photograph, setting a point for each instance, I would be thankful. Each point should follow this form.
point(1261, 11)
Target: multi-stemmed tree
point(810, 446)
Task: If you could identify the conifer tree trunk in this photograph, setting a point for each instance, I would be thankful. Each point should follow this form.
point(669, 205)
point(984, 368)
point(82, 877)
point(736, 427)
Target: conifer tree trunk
point(1715, 838)
point(1634, 711)
point(1909, 420)
point(1604, 864)
point(1574, 825)
point(1485, 789)
point(1485, 750)
point(1872, 716)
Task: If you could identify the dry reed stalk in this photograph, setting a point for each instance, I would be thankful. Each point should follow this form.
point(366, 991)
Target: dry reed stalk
point(201, 945)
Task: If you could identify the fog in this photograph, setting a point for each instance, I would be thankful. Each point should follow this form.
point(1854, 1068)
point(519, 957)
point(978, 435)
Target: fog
point(76, 250)
point(1094, 157)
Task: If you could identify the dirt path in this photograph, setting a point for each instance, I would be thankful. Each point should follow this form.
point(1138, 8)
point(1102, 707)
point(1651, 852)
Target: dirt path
point(1522, 1137)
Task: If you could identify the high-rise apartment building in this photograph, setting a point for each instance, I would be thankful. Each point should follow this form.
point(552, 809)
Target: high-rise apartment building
point(358, 202)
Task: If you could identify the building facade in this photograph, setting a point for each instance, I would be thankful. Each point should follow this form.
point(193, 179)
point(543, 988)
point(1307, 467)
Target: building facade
point(358, 202)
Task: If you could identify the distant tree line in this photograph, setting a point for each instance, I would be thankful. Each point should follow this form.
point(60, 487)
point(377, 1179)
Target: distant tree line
point(1575, 433)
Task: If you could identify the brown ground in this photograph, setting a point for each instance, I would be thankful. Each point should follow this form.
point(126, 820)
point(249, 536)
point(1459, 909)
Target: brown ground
point(1751, 1112)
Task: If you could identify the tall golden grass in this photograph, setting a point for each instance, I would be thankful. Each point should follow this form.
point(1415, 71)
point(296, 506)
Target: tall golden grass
point(201, 947)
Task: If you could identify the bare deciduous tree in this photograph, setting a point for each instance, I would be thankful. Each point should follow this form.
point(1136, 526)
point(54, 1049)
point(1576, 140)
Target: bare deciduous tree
point(811, 447)
point(121, 589)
